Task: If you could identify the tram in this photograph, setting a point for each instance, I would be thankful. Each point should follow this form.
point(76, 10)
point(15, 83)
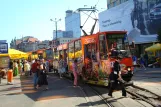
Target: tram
point(96, 55)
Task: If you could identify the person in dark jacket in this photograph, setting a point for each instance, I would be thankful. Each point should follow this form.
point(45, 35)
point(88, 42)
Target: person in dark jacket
point(115, 78)
point(146, 58)
point(43, 77)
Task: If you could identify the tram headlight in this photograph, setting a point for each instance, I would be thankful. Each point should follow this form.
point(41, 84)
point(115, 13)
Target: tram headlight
point(128, 69)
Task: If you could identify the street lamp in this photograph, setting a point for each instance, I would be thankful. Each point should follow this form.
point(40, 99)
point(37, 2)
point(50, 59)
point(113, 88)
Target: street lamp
point(56, 21)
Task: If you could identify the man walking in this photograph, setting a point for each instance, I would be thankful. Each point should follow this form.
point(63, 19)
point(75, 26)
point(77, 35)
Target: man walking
point(34, 69)
point(115, 78)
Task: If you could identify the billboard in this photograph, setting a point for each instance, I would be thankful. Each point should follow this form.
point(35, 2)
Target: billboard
point(3, 48)
point(141, 18)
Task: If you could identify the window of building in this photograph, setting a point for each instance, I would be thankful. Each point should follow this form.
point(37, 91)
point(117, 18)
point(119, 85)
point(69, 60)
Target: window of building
point(108, 6)
point(114, 3)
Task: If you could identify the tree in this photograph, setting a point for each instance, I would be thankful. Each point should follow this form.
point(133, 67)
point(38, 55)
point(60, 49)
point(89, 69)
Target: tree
point(159, 35)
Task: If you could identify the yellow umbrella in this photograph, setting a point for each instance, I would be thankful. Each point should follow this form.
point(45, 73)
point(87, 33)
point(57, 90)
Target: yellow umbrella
point(154, 47)
point(15, 54)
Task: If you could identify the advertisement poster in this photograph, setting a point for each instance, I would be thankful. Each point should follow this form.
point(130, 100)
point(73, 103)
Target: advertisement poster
point(49, 53)
point(141, 18)
point(3, 48)
point(4, 62)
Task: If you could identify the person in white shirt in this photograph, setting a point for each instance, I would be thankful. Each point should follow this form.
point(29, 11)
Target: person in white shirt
point(27, 68)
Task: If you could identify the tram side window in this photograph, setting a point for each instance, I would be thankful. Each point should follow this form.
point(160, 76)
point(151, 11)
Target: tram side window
point(71, 51)
point(103, 47)
point(78, 50)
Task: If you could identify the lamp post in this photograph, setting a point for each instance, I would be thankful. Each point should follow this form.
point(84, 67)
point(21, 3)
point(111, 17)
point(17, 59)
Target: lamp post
point(56, 21)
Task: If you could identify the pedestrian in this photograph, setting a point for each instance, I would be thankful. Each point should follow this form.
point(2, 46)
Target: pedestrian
point(116, 79)
point(61, 66)
point(134, 58)
point(20, 67)
point(42, 81)
point(47, 65)
point(146, 58)
point(75, 72)
point(27, 68)
point(142, 62)
point(15, 68)
point(35, 71)
point(11, 64)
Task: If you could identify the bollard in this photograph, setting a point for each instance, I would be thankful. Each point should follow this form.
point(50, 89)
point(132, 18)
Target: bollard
point(9, 76)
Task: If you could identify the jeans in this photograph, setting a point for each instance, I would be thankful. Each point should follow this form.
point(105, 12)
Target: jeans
point(35, 79)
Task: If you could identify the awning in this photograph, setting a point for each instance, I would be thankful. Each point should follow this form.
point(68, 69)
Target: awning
point(15, 54)
point(154, 47)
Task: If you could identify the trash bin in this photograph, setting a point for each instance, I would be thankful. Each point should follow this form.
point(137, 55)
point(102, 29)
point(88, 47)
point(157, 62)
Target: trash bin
point(9, 76)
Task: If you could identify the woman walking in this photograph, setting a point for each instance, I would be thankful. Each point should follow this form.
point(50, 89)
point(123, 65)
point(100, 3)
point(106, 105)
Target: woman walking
point(75, 72)
point(27, 68)
point(15, 68)
point(43, 77)
point(61, 66)
point(20, 66)
point(142, 62)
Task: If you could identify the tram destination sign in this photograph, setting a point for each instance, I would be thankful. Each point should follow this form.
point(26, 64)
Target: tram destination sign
point(3, 48)
point(115, 36)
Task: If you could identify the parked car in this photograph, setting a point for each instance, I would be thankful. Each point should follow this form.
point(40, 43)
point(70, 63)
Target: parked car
point(155, 13)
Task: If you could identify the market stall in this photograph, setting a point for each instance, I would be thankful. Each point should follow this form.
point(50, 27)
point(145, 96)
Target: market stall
point(154, 47)
point(15, 54)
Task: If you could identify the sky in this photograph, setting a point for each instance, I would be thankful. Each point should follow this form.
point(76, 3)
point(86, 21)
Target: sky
point(32, 17)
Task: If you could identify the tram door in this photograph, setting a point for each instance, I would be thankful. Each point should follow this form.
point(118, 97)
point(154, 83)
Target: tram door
point(90, 57)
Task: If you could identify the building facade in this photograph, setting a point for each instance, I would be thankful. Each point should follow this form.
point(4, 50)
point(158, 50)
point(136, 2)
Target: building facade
point(64, 40)
point(60, 34)
point(73, 23)
point(113, 3)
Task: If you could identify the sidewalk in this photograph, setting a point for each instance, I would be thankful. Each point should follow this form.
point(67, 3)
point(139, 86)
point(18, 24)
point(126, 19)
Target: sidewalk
point(149, 79)
point(61, 93)
point(9, 89)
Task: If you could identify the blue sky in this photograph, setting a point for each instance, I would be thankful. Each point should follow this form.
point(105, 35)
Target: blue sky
point(32, 17)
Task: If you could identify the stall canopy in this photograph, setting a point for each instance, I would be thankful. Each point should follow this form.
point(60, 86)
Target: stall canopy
point(15, 54)
point(154, 47)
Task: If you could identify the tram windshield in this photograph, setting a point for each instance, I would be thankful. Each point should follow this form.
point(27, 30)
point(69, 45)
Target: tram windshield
point(117, 45)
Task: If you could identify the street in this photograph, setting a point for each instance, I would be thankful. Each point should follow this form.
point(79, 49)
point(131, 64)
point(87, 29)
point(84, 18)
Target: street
point(61, 92)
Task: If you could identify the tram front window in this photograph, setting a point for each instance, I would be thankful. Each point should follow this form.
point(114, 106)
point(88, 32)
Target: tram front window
point(118, 47)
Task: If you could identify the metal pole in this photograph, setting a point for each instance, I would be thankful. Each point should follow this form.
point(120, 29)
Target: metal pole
point(56, 31)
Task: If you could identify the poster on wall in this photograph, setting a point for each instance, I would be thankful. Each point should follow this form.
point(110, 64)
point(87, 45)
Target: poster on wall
point(140, 18)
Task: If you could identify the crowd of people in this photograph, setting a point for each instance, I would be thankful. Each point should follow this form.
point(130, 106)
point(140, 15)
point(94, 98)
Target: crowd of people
point(38, 68)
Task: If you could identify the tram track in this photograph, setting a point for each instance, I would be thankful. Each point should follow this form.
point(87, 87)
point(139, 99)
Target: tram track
point(144, 95)
point(86, 94)
point(133, 91)
point(101, 97)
